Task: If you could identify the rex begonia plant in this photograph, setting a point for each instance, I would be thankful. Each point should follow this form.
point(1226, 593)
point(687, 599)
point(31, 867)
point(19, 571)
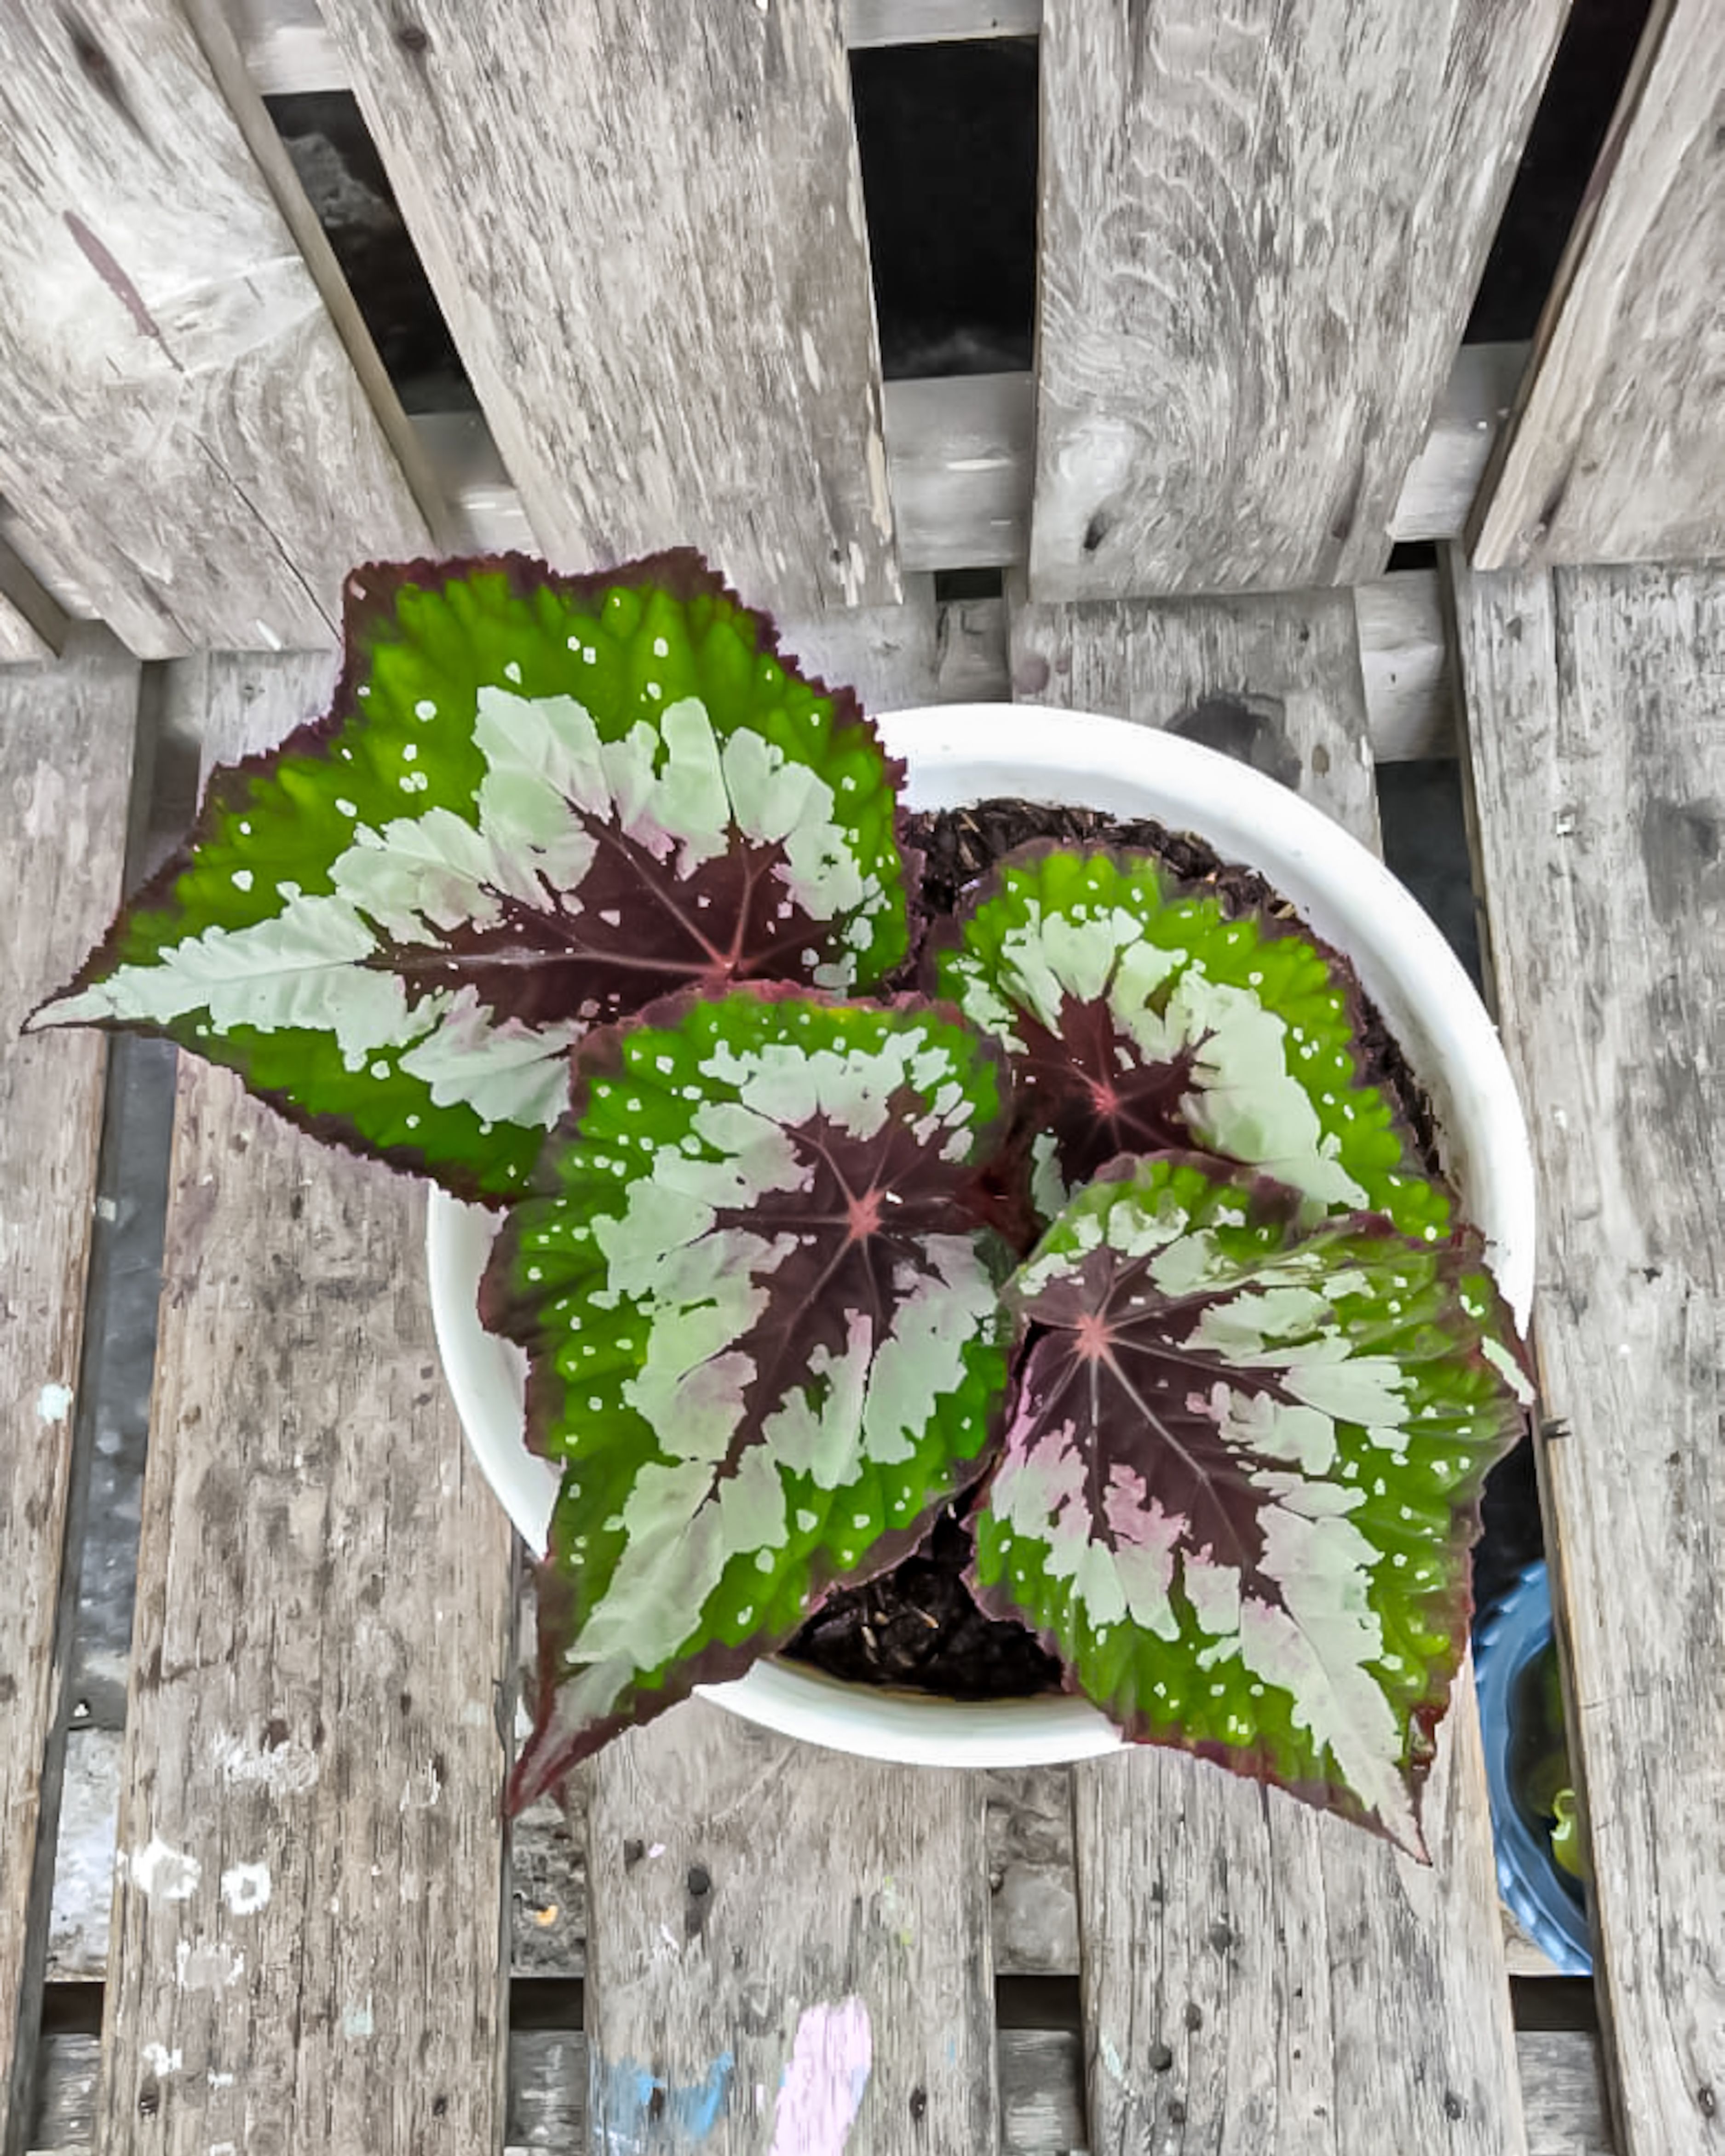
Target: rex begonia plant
point(1082, 1206)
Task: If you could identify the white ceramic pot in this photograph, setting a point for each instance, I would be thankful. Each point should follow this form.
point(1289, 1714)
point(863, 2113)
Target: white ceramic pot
point(967, 752)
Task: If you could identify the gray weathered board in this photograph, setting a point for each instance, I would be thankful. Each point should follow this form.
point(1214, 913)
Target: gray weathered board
point(179, 423)
point(308, 1909)
point(1616, 449)
point(1595, 702)
point(782, 1941)
point(958, 463)
point(288, 49)
point(1275, 680)
point(66, 734)
point(33, 626)
point(1261, 230)
point(645, 229)
point(1257, 1976)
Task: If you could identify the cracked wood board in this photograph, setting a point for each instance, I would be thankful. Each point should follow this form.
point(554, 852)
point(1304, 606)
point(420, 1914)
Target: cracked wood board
point(1596, 729)
point(308, 1919)
point(780, 1936)
point(1256, 1976)
point(66, 736)
point(1261, 230)
point(180, 422)
point(1615, 451)
point(645, 229)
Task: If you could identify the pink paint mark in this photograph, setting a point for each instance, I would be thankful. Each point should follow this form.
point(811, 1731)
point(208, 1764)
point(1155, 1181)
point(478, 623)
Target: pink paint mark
point(822, 2090)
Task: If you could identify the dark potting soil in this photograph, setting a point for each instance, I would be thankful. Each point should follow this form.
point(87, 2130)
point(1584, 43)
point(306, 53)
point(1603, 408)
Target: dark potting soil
point(916, 1626)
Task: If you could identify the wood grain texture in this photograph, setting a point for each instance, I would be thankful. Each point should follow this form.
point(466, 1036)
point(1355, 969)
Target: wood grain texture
point(1595, 710)
point(645, 229)
point(1275, 680)
point(772, 1928)
point(178, 419)
point(308, 1918)
point(1615, 451)
point(1256, 1977)
point(1261, 230)
point(66, 733)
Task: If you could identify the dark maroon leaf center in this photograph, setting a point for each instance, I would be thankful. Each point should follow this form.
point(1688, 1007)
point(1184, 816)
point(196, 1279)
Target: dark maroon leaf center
point(1092, 1088)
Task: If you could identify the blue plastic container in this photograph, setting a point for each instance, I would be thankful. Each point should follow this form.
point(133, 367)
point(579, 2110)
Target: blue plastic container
point(1547, 1904)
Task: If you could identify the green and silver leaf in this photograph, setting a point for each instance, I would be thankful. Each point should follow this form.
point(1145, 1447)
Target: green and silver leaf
point(1140, 1015)
point(537, 803)
point(764, 1331)
point(1241, 1472)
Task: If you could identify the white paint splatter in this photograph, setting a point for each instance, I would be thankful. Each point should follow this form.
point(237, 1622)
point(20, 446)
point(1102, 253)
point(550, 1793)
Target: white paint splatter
point(357, 2021)
point(421, 1790)
point(54, 1403)
point(207, 1966)
point(245, 1888)
point(821, 2092)
point(162, 2062)
point(287, 1769)
point(157, 1869)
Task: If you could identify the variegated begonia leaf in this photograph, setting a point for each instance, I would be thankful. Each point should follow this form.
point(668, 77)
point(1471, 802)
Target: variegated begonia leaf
point(1140, 1015)
point(764, 1331)
point(1241, 1472)
point(537, 803)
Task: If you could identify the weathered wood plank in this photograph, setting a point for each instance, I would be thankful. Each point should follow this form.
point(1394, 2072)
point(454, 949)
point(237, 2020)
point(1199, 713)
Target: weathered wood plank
point(32, 624)
point(646, 233)
point(179, 418)
point(66, 733)
point(774, 1929)
point(1404, 655)
point(958, 452)
point(1274, 679)
point(308, 1909)
point(1262, 228)
point(1471, 412)
point(1596, 728)
point(1257, 1977)
point(288, 48)
point(1615, 451)
point(1563, 2092)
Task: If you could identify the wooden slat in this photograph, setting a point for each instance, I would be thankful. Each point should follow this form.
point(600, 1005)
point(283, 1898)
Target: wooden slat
point(958, 452)
point(1404, 655)
point(178, 419)
point(288, 48)
point(31, 624)
point(65, 765)
point(309, 1903)
point(1616, 449)
point(1257, 1977)
point(1471, 413)
point(1597, 731)
point(646, 233)
point(1275, 680)
point(773, 1928)
point(1563, 2092)
point(1041, 2093)
point(1262, 228)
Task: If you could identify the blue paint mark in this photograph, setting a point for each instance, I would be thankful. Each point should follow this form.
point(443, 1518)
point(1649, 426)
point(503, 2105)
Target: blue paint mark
point(637, 2109)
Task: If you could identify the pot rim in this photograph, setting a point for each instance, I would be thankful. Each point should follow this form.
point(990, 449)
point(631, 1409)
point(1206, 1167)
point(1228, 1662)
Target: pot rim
point(956, 753)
